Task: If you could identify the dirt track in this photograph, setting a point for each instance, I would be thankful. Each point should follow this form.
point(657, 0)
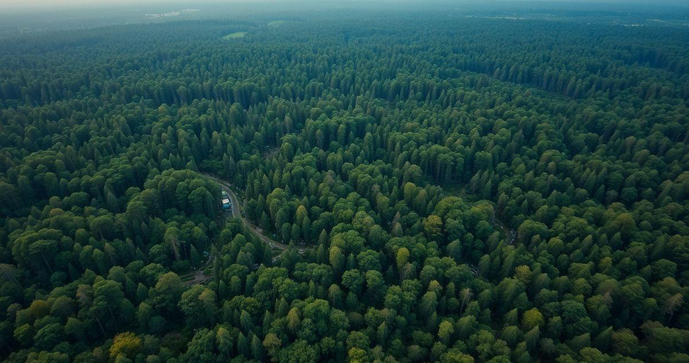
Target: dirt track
point(198, 277)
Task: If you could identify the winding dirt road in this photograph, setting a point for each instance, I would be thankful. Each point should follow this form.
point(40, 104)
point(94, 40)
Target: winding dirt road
point(510, 234)
point(237, 213)
point(198, 276)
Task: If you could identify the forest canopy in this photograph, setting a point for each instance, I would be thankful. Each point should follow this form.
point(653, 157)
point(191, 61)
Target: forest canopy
point(404, 188)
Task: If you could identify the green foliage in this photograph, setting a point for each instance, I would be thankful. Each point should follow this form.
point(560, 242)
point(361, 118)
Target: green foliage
point(440, 189)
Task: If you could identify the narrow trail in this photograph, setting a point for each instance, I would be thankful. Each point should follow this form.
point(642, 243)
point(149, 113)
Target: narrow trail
point(510, 234)
point(198, 276)
point(237, 213)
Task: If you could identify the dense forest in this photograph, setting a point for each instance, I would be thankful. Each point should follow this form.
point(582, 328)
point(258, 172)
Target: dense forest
point(413, 187)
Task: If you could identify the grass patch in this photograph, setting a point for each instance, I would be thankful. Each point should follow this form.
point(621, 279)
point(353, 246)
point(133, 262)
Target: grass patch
point(234, 35)
point(275, 23)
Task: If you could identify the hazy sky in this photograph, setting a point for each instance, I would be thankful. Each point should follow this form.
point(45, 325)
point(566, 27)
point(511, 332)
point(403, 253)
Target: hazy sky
point(71, 4)
point(52, 4)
